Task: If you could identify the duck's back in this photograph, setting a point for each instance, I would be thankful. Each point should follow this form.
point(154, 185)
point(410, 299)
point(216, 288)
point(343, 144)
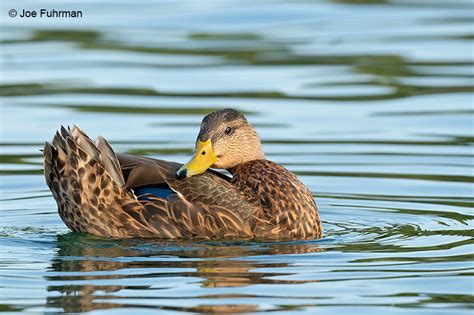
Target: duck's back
point(286, 206)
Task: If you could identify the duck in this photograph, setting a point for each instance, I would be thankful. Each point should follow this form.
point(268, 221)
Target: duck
point(228, 189)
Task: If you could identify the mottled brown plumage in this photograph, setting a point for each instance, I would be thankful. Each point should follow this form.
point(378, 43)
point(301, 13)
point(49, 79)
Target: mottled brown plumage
point(97, 191)
point(285, 206)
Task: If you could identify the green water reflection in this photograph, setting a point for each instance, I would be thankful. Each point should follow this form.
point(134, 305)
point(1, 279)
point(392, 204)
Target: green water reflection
point(369, 102)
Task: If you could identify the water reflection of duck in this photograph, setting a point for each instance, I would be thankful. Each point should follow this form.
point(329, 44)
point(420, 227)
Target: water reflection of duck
point(123, 196)
point(83, 265)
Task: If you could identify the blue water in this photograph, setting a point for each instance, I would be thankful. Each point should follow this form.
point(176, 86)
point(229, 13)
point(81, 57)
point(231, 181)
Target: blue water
point(369, 102)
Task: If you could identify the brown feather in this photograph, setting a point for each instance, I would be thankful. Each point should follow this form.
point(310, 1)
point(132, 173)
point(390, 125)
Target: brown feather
point(286, 207)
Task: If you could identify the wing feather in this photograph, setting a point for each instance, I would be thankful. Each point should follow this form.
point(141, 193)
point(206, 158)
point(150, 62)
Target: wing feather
point(205, 205)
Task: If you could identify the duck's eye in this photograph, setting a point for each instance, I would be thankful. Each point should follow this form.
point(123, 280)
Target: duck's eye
point(228, 130)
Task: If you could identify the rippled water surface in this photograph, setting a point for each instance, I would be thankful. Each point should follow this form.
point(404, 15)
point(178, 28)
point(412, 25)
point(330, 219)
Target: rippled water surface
point(369, 102)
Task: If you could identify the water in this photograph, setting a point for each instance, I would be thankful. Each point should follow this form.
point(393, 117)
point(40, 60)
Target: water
point(369, 102)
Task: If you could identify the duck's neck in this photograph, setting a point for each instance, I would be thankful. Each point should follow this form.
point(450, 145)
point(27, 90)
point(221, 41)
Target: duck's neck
point(251, 149)
point(245, 167)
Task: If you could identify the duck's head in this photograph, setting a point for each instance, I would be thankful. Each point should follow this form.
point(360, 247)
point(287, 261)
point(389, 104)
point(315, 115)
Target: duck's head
point(225, 140)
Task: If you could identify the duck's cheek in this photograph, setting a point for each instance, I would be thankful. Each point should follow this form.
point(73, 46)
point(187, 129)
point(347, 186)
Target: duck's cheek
point(218, 164)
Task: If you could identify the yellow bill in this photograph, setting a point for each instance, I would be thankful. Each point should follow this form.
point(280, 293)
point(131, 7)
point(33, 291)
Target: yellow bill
point(203, 158)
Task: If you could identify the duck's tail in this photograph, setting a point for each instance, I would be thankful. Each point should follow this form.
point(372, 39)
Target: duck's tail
point(85, 179)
